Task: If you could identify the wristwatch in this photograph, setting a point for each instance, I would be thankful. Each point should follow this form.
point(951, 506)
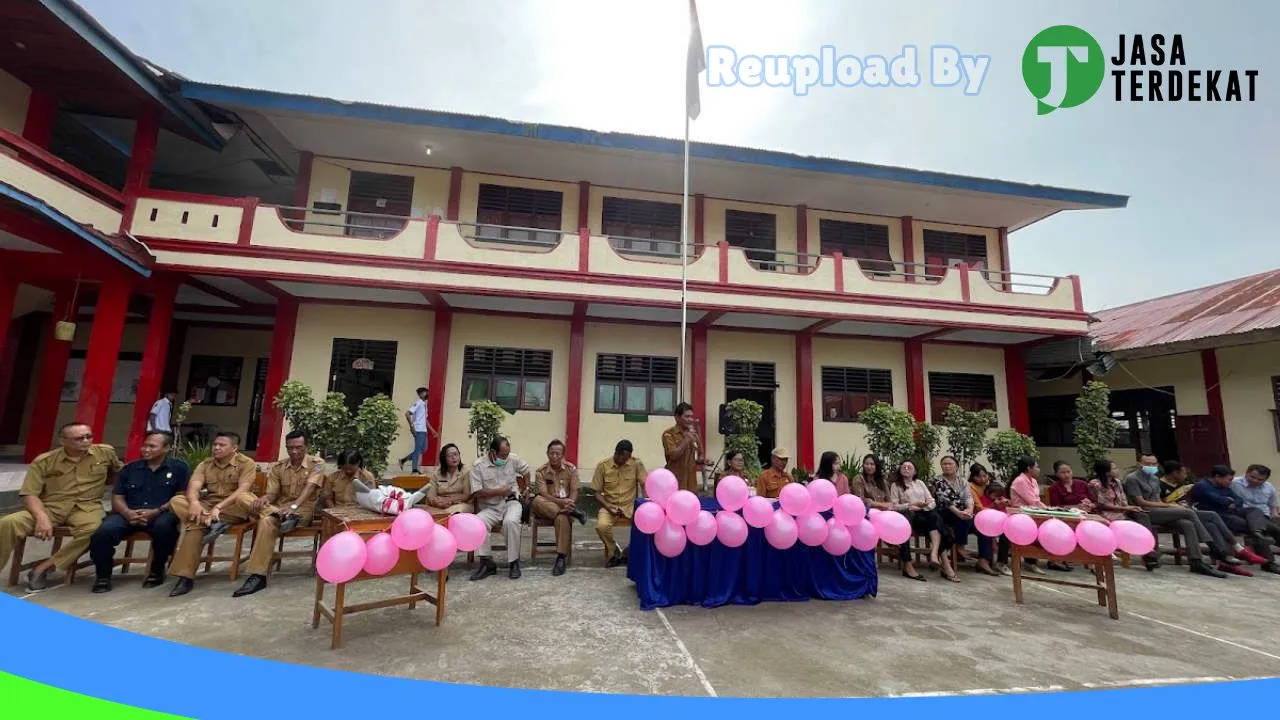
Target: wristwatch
point(294, 507)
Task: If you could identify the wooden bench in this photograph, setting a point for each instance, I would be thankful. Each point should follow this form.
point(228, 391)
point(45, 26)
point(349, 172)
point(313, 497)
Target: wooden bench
point(410, 483)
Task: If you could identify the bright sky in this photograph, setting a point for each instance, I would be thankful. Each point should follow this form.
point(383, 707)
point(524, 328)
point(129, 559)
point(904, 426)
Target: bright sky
point(1200, 176)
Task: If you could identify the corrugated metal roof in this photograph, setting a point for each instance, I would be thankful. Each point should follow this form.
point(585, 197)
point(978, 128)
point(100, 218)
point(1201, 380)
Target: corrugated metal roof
point(1231, 308)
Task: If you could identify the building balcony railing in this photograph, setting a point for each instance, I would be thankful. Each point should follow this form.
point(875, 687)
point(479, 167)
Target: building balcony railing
point(63, 186)
point(285, 231)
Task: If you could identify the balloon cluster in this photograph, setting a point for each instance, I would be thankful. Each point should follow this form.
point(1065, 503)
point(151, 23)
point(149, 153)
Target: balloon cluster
point(346, 555)
point(675, 517)
point(1057, 537)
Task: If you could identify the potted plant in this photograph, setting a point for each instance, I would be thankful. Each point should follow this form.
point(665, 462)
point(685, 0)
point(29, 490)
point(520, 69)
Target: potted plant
point(744, 421)
point(330, 427)
point(485, 423)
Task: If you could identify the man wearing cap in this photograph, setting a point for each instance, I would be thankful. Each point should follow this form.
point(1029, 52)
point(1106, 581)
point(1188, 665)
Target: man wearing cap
point(770, 482)
point(617, 481)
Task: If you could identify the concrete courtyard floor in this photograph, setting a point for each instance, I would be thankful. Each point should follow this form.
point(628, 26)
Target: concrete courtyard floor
point(584, 631)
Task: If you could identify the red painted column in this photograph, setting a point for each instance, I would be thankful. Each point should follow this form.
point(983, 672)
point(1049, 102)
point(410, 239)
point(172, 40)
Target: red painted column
point(802, 234)
point(302, 187)
point(1213, 396)
point(584, 207)
point(455, 195)
point(104, 352)
point(1015, 380)
point(699, 223)
point(908, 249)
point(146, 135)
point(1006, 266)
point(698, 382)
point(804, 401)
point(278, 361)
point(573, 415)
point(916, 403)
point(154, 358)
point(8, 293)
point(42, 110)
point(438, 380)
point(53, 372)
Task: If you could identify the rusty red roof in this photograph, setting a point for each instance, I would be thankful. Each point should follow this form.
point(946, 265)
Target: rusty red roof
point(1230, 308)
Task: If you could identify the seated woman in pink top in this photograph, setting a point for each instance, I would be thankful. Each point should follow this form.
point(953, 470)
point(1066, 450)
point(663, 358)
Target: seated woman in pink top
point(828, 469)
point(1024, 491)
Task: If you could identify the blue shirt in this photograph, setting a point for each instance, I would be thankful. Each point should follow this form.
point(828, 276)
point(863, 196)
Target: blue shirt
point(147, 489)
point(1205, 495)
point(1261, 498)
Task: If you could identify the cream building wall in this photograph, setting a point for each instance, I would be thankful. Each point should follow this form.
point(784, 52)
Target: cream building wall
point(774, 348)
point(412, 330)
point(848, 438)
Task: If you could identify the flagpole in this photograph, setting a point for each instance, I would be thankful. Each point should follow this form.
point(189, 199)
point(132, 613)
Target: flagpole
point(684, 261)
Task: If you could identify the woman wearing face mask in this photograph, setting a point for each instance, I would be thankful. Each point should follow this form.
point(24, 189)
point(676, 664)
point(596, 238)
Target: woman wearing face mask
point(909, 496)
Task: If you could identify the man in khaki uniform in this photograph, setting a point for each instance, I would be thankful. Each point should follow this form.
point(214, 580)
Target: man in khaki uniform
point(339, 489)
point(680, 444)
point(63, 487)
point(227, 475)
point(293, 487)
point(556, 499)
point(618, 482)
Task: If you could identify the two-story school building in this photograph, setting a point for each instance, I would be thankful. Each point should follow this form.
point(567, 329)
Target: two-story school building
point(218, 241)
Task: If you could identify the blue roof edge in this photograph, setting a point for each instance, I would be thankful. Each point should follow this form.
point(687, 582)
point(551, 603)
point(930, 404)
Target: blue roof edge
point(58, 218)
point(271, 100)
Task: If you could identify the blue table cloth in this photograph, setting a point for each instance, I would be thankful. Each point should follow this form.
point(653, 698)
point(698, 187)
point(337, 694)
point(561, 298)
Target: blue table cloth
point(756, 572)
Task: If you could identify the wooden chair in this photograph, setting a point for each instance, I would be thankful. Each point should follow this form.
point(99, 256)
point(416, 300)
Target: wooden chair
point(311, 531)
point(536, 524)
point(411, 483)
point(494, 546)
point(239, 554)
point(17, 566)
point(129, 557)
point(618, 522)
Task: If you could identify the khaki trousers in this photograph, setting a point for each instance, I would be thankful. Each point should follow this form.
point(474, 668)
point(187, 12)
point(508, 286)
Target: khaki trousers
point(508, 516)
point(187, 557)
point(604, 528)
point(18, 526)
point(548, 510)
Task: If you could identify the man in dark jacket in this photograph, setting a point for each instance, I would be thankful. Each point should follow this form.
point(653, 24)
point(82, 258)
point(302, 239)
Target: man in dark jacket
point(1214, 494)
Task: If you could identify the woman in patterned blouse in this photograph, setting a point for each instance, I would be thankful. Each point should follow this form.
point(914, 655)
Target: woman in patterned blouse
point(1113, 504)
point(911, 497)
point(956, 508)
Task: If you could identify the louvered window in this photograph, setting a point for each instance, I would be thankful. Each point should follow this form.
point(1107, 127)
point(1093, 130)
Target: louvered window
point(636, 384)
point(360, 369)
point(755, 232)
point(515, 214)
point(642, 226)
point(745, 375)
point(376, 202)
point(971, 391)
point(948, 249)
point(515, 378)
point(864, 241)
point(847, 391)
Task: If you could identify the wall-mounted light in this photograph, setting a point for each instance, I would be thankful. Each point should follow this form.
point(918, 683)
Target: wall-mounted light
point(427, 150)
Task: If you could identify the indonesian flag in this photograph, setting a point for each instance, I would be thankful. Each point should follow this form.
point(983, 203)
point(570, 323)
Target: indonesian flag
point(697, 63)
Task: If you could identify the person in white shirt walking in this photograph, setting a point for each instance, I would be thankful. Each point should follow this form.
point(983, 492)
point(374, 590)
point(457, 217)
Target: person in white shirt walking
point(160, 419)
point(417, 417)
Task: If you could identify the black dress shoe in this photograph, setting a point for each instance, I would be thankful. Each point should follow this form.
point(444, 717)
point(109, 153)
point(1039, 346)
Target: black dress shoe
point(251, 585)
point(289, 523)
point(514, 572)
point(101, 585)
point(1199, 567)
point(1151, 564)
point(616, 560)
point(154, 579)
point(182, 587)
point(558, 567)
point(917, 576)
point(578, 515)
point(1271, 567)
point(213, 532)
point(487, 568)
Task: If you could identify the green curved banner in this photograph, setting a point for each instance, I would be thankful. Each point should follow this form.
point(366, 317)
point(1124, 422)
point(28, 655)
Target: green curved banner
point(45, 701)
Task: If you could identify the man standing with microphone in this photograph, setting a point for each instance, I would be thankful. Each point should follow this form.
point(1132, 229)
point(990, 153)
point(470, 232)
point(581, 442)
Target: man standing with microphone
point(682, 447)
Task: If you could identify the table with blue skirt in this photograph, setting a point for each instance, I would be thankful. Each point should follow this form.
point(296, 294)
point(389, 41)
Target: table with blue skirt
point(755, 572)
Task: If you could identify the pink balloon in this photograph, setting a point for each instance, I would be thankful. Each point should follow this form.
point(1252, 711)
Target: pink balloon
point(683, 507)
point(1056, 537)
point(412, 529)
point(864, 536)
point(1132, 537)
point(468, 531)
point(341, 557)
point(758, 512)
point(795, 499)
point(381, 554)
point(822, 494)
point(838, 539)
point(731, 529)
point(894, 527)
point(811, 529)
point(660, 485)
point(439, 551)
point(849, 510)
point(783, 533)
point(732, 493)
point(990, 522)
point(649, 517)
point(670, 539)
point(1021, 529)
point(1095, 538)
point(872, 513)
point(703, 528)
